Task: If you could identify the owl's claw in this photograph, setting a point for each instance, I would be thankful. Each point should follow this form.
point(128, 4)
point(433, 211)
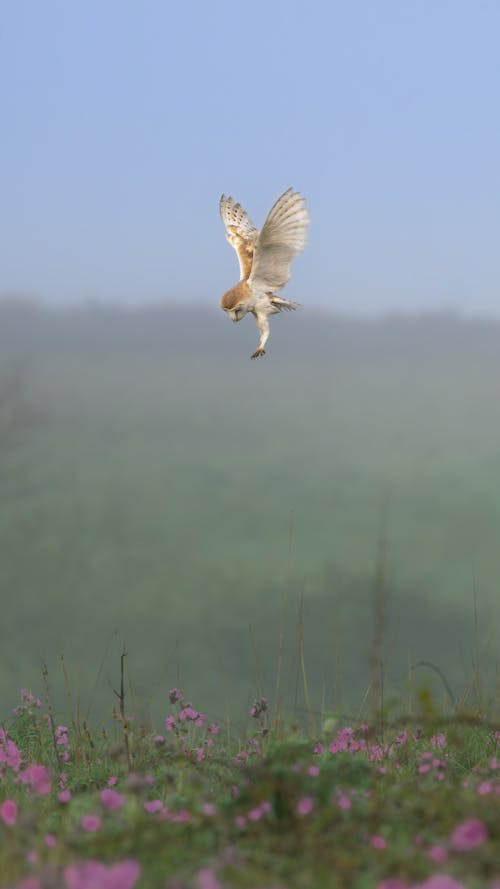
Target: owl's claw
point(258, 353)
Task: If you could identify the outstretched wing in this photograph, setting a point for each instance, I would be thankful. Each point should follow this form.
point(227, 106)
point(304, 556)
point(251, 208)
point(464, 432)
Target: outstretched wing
point(240, 232)
point(283, 235)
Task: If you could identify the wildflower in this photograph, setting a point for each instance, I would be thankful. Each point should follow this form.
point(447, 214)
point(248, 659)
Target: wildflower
point(159, 740)
point(208, 809)
point(8, 812)
point(240, 821)
point(181, 816)
point(343, 801)
point(257, 813)
point(50, 840)
point(111, 799)
point(64, 796)
point(378, 842)
point(259, 708)
point(213, 729)
point(438, 854)
point(469, 835)
point(313, 771)
point(38, 779)
point(206, 879)
point(484, 788)
point(91, 823)
point(98, 876)
point(438, 740)
point(9, 753)
point(112, 781)
point(440, 881)
point(175, 695)
point(153, 805)
point(170, 723)
point(305, 805)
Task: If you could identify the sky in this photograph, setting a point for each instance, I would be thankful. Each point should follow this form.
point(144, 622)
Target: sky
point(123, 122)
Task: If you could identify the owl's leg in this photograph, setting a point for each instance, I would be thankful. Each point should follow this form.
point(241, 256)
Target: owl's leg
point(263, 325)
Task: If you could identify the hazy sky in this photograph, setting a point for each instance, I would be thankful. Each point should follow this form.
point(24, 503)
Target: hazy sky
point(122, 123)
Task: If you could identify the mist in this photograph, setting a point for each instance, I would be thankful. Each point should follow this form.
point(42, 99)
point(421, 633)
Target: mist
point(163, 493)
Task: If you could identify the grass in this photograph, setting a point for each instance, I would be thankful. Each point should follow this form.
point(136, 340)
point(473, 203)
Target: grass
point(415, 804)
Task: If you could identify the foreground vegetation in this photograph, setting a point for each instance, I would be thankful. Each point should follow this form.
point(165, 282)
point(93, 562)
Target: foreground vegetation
point(412, 803)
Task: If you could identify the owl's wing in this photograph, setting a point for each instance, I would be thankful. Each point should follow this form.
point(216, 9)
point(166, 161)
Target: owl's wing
point(240, 232)
point(282, 236)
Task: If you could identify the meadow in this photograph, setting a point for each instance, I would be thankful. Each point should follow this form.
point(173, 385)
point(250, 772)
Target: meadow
point(305, 548)
point(408, 806)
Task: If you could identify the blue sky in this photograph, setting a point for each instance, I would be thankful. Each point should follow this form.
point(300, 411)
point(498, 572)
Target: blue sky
point(122, 122)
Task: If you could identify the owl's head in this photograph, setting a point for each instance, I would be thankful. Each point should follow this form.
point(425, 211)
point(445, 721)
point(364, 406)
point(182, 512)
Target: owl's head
point(236, 314)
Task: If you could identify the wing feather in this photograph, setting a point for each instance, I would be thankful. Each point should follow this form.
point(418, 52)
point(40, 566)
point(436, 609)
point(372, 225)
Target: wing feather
point(240, 232)
point(283, 235)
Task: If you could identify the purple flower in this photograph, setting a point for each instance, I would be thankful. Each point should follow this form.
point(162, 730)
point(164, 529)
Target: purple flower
point(91, 823)
point(8, 812)
point(175, 695)
point(440, 881)
point(469, 835)
point(305, 805)
point(94, 875)
point(111, 799)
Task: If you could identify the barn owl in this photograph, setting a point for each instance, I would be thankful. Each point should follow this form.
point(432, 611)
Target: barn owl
point(265, 258)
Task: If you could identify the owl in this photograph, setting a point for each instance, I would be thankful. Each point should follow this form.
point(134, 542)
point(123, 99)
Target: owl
point(265, 258)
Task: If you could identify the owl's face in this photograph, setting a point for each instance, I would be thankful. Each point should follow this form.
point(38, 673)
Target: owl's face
point(237, 313)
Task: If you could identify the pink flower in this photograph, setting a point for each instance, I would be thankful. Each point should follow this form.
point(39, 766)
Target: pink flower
point(91, 823)
point(9, 753)
point(8, 812)
point(484, 788)
point(170, 723)
point(438, 740)
point(438, 854)
point(175, 695)
point(64, 796)
point(469, 835)
point(206, 879)
point(181, 816)
point(38, 779)
point(344, 802)
point(50, 840)
point(153, 805)
point(305, 805)
point(257, 813)
point(111, 799)
point(30, 883)
point(94, 875)
point(112, 781)
point(208, 809)
point(313, 771)
point(378, 842)
point(440, 881)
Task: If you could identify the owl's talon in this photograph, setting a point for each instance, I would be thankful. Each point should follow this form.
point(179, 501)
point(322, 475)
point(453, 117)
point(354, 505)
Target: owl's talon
point(258, 353)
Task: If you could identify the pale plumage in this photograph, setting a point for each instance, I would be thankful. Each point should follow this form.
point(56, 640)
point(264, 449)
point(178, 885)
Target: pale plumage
point(265, 258)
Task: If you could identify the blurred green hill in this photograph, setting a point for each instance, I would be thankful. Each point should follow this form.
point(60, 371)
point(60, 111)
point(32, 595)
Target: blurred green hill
point(161, 490)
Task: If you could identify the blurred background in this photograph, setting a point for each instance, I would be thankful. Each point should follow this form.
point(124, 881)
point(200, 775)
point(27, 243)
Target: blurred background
point(158, 489)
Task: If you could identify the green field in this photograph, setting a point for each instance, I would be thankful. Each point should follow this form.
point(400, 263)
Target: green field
point(162, 491)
